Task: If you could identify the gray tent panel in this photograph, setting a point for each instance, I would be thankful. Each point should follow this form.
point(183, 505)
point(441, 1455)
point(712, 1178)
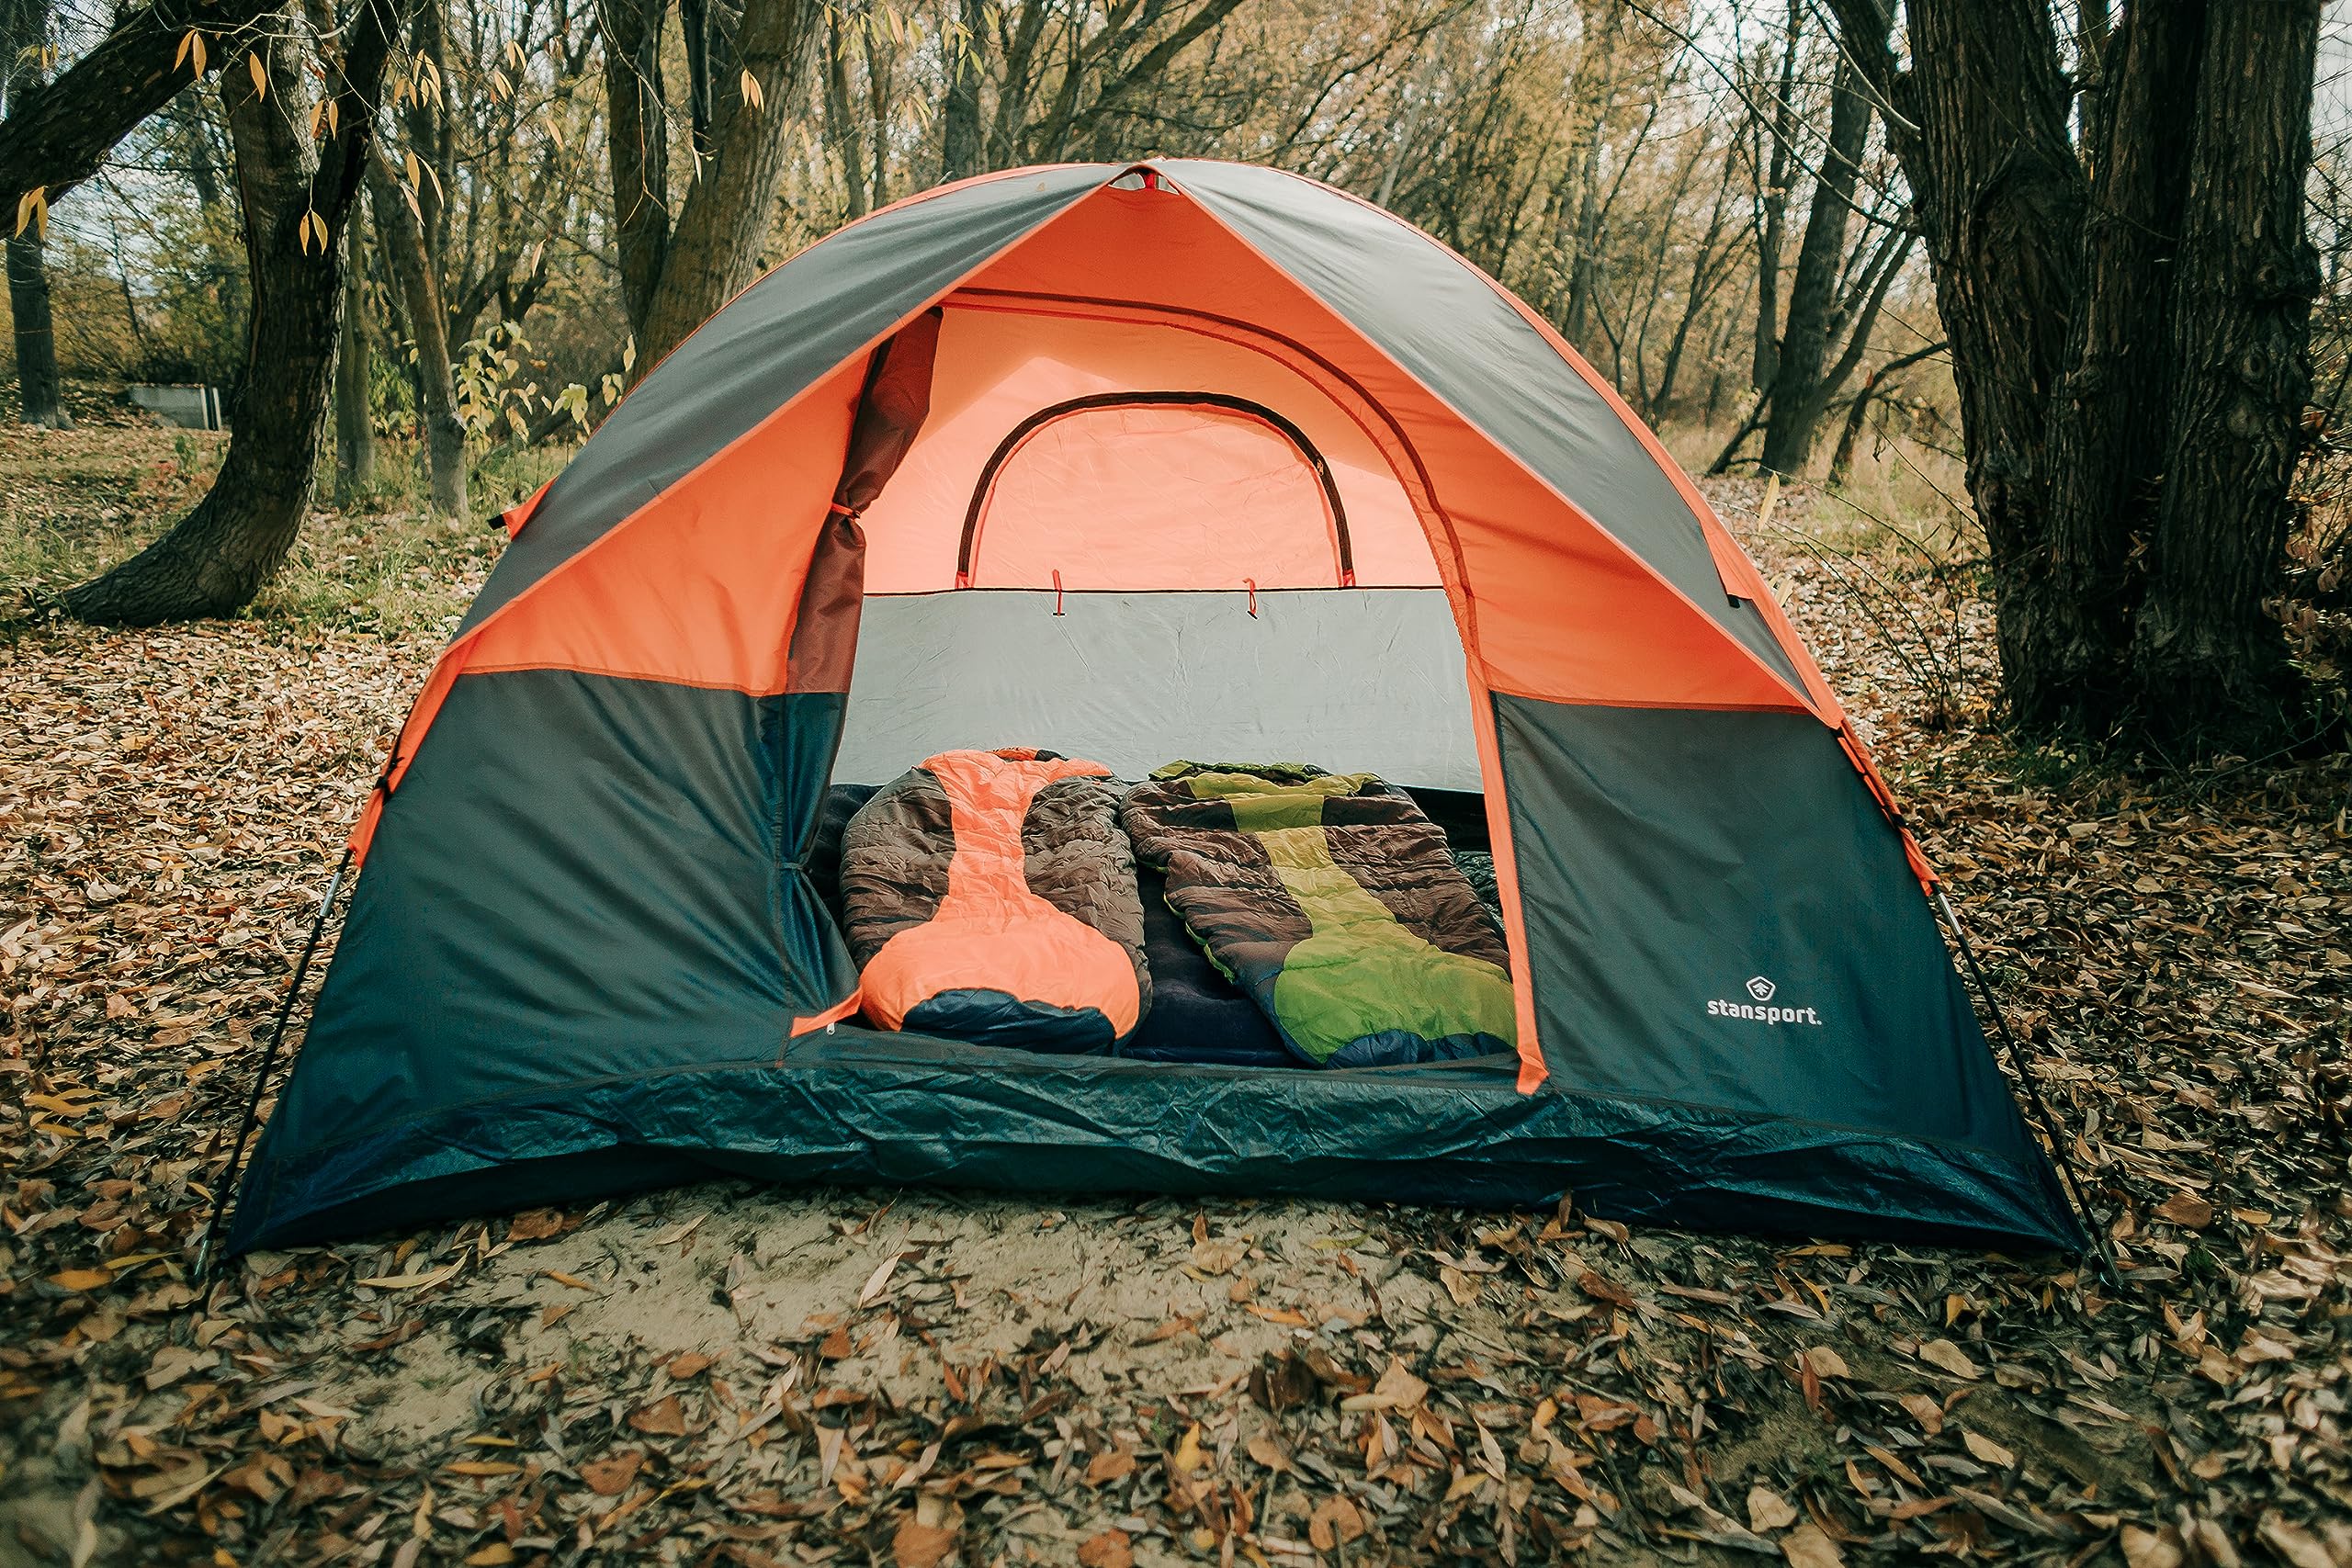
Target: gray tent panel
point(1369, 680)
point(1438, 318)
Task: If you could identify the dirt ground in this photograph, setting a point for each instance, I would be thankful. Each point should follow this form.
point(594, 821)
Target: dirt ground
point(732, 1374)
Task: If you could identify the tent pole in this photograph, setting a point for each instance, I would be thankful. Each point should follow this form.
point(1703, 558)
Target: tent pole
point(268, 1057)
point(2050, 1125)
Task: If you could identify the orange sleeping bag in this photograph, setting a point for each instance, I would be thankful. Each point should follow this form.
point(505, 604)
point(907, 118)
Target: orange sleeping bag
point(991, 896)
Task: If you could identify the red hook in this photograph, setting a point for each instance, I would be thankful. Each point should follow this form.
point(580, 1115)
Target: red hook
point(1057, 593)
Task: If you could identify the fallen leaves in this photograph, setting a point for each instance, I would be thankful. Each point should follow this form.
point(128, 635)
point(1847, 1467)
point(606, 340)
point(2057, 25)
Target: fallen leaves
point(664, 1417)
point(1807, 1546)
point(1270, 1380)
point(2185, 1208)
point(610, 1476)
point(1945, 1356)
point(1769, 1511)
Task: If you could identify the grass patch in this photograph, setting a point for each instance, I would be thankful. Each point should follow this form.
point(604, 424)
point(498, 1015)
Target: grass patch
point(74, 502)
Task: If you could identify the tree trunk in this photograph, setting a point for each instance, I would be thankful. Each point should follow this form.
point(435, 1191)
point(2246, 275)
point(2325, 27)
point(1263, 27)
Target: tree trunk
point(715, 250)
point(2131, 349)
point(1998, 197)
point(841, 123)
point(2208, 661)
point(24, 31)
point(354, 421)
point(639, 148)
point(38, 399)
point(1799, 391)
point(215, 559)
point(2108, 419)
point(1773, 199)
point(412, 273)
point(959, 115)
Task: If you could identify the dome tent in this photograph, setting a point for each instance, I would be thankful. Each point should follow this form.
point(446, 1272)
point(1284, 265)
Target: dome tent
point(1134, 461)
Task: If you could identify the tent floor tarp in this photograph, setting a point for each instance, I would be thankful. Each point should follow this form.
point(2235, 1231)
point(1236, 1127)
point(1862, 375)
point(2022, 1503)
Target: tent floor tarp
point(855, 1105)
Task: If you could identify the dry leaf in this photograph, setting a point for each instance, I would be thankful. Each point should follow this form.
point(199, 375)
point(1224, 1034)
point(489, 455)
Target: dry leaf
point(879, 1282)
point(2188, 1210)
point(1807, 1547)
point(1827, 1362)
point(1111, 1548)
point(662, 1418)
point(2152, 1548)
point(1987, 1450)
point(1768, 1511)
point(1334, 1523)
point(1925, 1411)
point(919, 1545)
point(1111, 1464)
point(2296, 1546)
point(1950, 1358)
point(1268, 1450)
point(610, 1476)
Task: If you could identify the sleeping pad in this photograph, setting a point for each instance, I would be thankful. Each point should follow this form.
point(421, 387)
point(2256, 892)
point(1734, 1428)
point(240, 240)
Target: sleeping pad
point(991, 896)
point(1332, 901)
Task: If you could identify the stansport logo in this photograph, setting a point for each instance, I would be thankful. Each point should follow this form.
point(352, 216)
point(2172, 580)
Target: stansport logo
point(1759, 1011)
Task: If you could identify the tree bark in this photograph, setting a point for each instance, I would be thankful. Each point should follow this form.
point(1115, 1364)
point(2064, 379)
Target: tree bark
point(24, 29)
point(959, 115)
point(1773, 200)
point(2208, 661)
point(715, 249)
point(354, 421)
point(1998, 196)
point(639, 148)
point(1799, 390)
point(2131, 345)
point(841, 123)
point(37, 391)
point(215, 559)
point(2107, 417)
point(58, 133)
point(414, 275)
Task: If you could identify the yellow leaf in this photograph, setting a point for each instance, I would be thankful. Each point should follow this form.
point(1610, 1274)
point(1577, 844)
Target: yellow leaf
point(191, 49)
point(136, 1260)
point(33, 208)
point(259, 72)
point(752, 95)
point(82, 1279)
point(408, 162)
point(334, 117)
point(409, 1281)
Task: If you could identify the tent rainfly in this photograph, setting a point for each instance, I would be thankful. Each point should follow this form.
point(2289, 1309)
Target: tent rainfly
point(1134, 461)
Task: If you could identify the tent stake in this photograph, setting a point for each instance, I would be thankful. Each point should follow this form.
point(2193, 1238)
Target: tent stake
point(261, 1073)
point(2050, 1123)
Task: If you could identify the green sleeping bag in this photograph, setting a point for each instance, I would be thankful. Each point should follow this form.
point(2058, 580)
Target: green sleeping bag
point(1332, 901)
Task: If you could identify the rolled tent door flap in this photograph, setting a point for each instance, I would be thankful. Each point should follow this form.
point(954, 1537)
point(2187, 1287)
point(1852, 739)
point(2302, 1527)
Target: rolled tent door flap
point(890, 413)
